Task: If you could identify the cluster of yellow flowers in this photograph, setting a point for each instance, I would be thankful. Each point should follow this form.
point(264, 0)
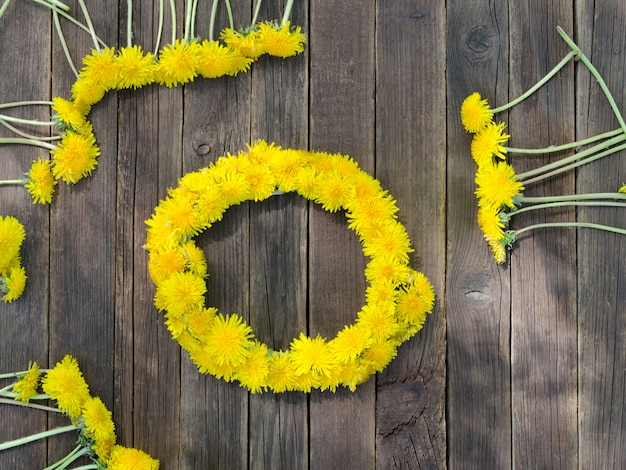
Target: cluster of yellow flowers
point(75, 156)
point(65, 384)
point(12, 273)
point(397, 299)
point(500, 190)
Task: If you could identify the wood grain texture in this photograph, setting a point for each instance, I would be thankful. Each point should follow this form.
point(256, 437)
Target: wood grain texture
point(477, 290)
point(543, 276)
point(24, 323)
point(601, 312)
point(412, 168)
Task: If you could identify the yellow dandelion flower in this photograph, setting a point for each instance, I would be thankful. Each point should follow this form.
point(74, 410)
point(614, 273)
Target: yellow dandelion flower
point(135, 68)
point(103, 447)
point(622, 189)
point(247, 43)
point(498, 249)
point(101, 69)
point(310, 380)
point(392, 240)
point(333, 191)
point(159, 233)
point(98, 420)
point(40, 182)
point(286, 165)
point(195, 259)
point(475, 113)
point(211, 206)
point(382, 291)
point(306, 182)
point(367, 188)
point(366, 213)
point(331, 380)
point(380, 355)
point(175, 324)
point(87, 91)
point(497, 185)
point(487, 143)
point(199, 322)
point(217, 60)
point(178, 63)
point(253, 373)
point(13, 285)
point(281, 41)
point(281, 373)
point(261, 152)
point(491, 223)
point(180, 292)
point(229, 340)
point(261, 182)
point(123, 458)
point(65, 384)
point(234, 188)
point(75, 157)
point(379, 321)
point(415, 303)
point(354, 373)
point(204, 359)
point(178, 209)
point(350, 342)
point(311, 355)
point(386, 268)
point(68, 115)
point(163, 263)
point(12, 235)
point(196, 181)
point(26, 387)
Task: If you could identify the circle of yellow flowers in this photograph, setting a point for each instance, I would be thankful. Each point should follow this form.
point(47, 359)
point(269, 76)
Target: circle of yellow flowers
point(397, 297)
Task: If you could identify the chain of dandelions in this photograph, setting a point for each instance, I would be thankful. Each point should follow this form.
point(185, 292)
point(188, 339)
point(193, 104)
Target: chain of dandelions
point(500, 190)
point(69, 138)
point(65, 386)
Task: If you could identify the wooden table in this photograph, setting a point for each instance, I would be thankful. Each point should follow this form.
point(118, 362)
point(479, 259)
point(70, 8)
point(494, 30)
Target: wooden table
point(522, 365)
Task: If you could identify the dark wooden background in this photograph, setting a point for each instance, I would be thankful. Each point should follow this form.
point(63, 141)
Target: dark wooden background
point(522, 365)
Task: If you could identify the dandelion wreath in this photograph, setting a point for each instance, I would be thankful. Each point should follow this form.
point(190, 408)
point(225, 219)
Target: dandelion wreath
point(397, 297)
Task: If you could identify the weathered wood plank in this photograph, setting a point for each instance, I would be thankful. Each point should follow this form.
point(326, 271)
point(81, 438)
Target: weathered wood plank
point(217, 120)
point(24, 323)
point(543, 283)
point(149, 160)
point(410, 162)
point(477, 290)
point(341, 120)
point(278, 428)
point(81, 246)
point(601, 256)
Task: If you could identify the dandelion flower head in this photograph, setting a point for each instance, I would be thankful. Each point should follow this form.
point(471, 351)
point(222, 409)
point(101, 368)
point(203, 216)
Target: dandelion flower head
point(281, 41)
point(40, 182)
point(497, 185)
point(475, 113)
point(12, 235)
point(487, 144)
point(13, 284)
point(26, 387)
point(65, 384)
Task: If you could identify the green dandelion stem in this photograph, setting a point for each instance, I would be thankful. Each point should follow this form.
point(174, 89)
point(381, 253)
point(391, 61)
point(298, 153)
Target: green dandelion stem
point(606, 228)
point(173, 12)
point(58, 4)
point(31, 122)
point(257, 9)
point(129, 23)
point(566, 203)
point(229, 11)
point(12, 182)
point(212, 19)
point(15, 104)
point(15, 130)
point(35, 437)
point(20, 141)
point(537, 85)
point(63, 463)
point(61, 11)
point(10, 401)
point(57, 25)
point(596, 75)
point(287, 13)
point(194, 12)
point(187, 30)
point(87, 467)
point(575, 165)
point(571, 197)
point(92, 31)
point(558, 148)
point(572, 158)
point(4, 7)
point(160, 28)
